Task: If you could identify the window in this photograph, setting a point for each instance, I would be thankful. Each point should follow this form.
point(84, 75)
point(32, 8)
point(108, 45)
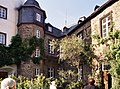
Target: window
point(3, 12)
point(37, 33)
point(106, 23)
point(105, 66)
point(38, 17)
point(51, 72)
point(49, 29)
point(37, 71)
point(37, 53)
point(80, 35)
point(2, 38)
point(50, 48)
point(81, 72)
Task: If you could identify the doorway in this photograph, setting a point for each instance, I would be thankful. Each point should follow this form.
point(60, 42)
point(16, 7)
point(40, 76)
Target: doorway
point(3, 75)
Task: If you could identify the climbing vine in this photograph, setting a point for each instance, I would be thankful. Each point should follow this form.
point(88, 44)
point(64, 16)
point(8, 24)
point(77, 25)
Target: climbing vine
point(112, 54)
point(21, 50)
point(34, 42)
point(5, 58)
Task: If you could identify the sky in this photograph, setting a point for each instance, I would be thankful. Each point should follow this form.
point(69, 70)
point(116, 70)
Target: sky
point(62, 13)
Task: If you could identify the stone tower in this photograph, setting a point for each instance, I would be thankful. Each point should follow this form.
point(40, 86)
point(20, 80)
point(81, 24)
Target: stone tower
point(31, 23)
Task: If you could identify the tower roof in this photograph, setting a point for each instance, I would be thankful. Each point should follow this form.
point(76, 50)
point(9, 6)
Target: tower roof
point(32, 2)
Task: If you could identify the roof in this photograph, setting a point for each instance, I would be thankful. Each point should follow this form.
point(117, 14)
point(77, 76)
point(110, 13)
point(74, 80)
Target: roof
point(32, 2)
point(95, 13)
point(55, 31)
point(70, 29)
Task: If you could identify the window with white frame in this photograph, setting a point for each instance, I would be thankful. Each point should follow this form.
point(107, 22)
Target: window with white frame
point(38, 17)
point(50, 48)
point(106, 23)
point(2, 38)
point(38, 33)
point(81, 72)
point(37, 53)
point(37, 71)
point(3, 12)
point(51, 72)
point(49, 29)
point(61, 51)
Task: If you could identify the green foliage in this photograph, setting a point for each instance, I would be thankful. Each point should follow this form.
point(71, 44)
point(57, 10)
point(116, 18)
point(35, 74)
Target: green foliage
point(116, 34)
point(72, 49)
point(116, 83)
point(5, 58)
point(112, 55)
point(41, 82)
point(0, 80)
point(68, 75)
point(75, 85)
point(68, 80)
point(114, 59)
point(39, 43)
point(21, 50)
point(74, 52)
point(100, 40)
point(16, 50)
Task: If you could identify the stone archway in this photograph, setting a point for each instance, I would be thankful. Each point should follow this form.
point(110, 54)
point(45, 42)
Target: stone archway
point(5, 71)
point(3, 74)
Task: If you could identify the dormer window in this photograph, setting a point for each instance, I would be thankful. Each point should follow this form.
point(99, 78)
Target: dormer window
point(49, 29)
point(38, 33)
point(3, 12)
point(38, 17)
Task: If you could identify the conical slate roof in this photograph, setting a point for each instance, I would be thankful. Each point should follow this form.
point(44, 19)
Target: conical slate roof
point(32, 2)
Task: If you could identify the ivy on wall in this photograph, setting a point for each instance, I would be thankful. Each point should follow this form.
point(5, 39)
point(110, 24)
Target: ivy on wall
point(111, 54)
point(5, 58)
point(21, 50)
point(39, 43)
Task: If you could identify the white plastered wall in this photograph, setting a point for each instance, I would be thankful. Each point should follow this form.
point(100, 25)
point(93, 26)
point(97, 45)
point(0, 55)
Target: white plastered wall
point(9, 25)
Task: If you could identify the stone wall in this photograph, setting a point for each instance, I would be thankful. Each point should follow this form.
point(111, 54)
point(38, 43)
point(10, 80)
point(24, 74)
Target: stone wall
point(114, 10)
point(46, 40)
point(27, 68)
point(96, 26)
point(29, 30)
point(86, 28)
point(51, 60)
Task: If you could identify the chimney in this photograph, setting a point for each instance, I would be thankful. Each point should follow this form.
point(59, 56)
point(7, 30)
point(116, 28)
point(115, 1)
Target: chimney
point(65, 29)
point(96, 7)
point(81, 19)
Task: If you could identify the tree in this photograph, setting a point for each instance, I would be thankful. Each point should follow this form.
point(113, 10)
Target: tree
point(5, 57)
point(73, 50)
